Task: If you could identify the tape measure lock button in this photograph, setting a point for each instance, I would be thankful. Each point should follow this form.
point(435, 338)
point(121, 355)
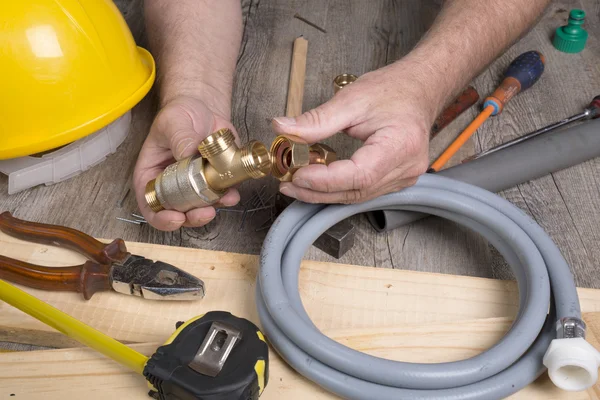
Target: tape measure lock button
point(222, 367)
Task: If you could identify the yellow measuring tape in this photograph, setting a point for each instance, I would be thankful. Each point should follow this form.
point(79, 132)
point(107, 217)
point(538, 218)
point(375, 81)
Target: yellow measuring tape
point(72, 327)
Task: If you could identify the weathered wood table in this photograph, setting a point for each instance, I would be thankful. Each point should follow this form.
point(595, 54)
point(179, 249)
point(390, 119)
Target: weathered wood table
point(361, 36)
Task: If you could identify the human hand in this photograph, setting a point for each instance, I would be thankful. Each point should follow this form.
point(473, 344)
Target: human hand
point(175, 134)
point(390, 111)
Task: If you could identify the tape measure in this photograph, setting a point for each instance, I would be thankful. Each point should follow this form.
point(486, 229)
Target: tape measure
point(231, 363)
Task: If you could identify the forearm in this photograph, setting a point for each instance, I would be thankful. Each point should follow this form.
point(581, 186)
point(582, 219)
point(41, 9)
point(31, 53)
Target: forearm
point(464, 39)
point(195, 44)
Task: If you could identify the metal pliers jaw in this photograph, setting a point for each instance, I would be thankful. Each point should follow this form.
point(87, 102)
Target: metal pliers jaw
point(110, 266)
point(155, 280)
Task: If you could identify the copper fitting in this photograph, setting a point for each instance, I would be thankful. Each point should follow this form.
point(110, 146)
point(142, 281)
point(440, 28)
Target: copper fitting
point(322, 154)
point(343, 80)
point(229, 164)
point(201, 181)
point(289, 154)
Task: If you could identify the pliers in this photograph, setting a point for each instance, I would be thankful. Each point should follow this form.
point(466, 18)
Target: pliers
point(110, 266)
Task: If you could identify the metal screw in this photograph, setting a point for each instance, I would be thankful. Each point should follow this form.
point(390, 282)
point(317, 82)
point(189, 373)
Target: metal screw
point(137, 222)
point(298, 16)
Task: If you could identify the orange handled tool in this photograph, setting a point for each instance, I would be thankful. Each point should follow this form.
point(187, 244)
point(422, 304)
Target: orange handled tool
point(522, 73)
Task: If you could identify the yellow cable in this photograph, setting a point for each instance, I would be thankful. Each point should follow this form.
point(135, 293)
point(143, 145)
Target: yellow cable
point(73, 328)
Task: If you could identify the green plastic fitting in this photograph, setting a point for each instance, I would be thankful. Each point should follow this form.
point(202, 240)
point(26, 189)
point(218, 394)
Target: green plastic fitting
point(571, 38)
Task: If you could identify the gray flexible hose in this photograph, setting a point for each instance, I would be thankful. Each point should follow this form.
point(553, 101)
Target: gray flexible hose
point(514, 165)
point(505, 368)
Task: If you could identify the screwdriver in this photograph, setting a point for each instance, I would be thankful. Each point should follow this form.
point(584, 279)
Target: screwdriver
point(520, 75)
point(592, 111)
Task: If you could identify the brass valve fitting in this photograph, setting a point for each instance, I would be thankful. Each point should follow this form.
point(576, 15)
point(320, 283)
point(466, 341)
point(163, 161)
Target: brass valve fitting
point(202, 180)
point(228, 164)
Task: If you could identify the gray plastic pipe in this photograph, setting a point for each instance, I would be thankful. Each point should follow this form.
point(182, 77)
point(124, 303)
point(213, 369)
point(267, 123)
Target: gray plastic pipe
point(509, 167)
point(544, 281)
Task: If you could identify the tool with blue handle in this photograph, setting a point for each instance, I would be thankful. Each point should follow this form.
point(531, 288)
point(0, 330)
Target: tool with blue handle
point(521, 74)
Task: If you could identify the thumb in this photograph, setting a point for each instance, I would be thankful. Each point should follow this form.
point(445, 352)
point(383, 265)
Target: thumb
point(185, 132)
point(318, 123)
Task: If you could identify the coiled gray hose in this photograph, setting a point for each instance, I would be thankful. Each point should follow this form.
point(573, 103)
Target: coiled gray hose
point(505, 368)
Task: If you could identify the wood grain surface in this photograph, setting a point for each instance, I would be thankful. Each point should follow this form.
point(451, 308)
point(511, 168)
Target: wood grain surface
point(82, 373)
point(361, 36)
point(400, 315)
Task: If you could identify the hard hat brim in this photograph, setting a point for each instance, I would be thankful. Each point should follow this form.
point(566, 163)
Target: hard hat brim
point(93, 125)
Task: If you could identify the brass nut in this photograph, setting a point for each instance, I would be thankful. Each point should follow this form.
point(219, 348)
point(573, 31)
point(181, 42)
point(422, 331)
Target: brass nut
point(322, 154)
point(207, 194)
point(288, 154)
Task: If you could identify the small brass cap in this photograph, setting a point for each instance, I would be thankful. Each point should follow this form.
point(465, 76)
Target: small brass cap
point(151, 197)
point(343, 80)
point(216, 143)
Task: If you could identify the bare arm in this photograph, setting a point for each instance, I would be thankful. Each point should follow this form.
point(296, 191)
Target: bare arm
point(195, 44)
point(392, 109)
point(466, 36)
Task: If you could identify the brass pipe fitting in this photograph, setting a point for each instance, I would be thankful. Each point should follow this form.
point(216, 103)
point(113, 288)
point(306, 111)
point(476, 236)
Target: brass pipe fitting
point(228, 164)
point(201, 181)
point(343, 80)
point(182, 186)
point(290, 153)
point(322, 154)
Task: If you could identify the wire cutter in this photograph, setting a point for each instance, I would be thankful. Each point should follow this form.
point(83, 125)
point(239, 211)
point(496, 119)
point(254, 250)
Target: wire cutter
point(110, 266)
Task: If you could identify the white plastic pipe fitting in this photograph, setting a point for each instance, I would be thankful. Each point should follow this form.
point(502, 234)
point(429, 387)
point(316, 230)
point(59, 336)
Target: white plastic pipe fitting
point(572, 363)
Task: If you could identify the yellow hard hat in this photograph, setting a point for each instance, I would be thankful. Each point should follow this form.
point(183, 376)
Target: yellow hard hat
point(67, 69)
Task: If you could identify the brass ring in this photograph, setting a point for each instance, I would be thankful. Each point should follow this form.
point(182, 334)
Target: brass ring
point(343, 80)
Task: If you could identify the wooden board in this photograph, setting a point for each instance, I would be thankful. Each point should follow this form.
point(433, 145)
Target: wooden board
point(82, 373)
point(401, 315)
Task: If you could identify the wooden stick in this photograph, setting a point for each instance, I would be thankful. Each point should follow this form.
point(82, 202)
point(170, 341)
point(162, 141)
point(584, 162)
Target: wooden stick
point(297, 74)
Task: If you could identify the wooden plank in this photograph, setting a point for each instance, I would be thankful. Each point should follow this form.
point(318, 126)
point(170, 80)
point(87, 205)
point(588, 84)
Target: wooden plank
point(79, 373)
point(401, 315)
point(336, 296)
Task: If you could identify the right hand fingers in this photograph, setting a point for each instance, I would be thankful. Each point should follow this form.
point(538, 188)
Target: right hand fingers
point(326, 120)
